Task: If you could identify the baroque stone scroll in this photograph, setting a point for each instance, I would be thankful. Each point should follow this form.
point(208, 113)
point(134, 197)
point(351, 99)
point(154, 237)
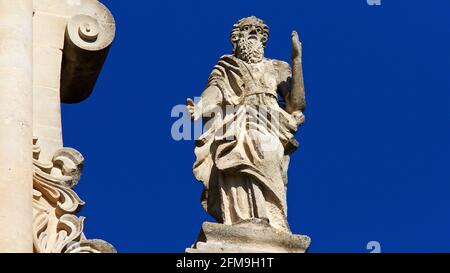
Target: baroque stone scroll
point(71, 42)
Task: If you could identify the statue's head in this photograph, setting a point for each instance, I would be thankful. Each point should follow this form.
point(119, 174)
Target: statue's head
point(249, 37)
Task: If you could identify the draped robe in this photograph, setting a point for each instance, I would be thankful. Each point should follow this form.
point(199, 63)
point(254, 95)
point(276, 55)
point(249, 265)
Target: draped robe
point(243, 155)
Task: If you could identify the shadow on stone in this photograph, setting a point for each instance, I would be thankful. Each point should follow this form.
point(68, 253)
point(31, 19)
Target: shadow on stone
point(253, 236)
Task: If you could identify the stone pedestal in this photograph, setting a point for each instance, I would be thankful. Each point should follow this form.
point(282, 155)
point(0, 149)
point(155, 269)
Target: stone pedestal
point(255, 236)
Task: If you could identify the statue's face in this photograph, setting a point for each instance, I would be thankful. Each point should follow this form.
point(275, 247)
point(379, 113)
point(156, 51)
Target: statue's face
point(249, 37)
point(252, 32)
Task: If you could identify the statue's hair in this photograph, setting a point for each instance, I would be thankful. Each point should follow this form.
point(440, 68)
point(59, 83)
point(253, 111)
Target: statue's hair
point(252, 20)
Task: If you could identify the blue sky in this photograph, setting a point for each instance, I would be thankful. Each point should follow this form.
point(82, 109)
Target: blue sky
point(374, 153)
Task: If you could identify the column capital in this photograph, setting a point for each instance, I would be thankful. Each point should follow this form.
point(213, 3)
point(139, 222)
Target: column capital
point(89, 32)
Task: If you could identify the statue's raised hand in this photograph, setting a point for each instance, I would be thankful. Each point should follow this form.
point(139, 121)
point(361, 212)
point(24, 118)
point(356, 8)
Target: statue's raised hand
point(296, 47)
point(192, 109)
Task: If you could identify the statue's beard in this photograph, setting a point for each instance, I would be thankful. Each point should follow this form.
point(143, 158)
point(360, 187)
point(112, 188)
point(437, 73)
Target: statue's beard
point(250, 51)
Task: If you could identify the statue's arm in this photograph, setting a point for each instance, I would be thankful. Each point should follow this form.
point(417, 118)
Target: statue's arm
point(209, 100)
point(296, 101)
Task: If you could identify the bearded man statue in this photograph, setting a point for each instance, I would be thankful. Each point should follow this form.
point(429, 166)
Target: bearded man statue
point(251, 107)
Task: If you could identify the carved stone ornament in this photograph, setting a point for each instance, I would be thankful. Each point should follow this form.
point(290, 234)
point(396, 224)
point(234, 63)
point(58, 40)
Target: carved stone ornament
point(51, 51)
point(78, 34)
point(57, 228)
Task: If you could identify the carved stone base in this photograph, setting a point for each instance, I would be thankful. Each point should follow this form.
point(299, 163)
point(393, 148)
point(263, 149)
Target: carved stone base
point(255, 236)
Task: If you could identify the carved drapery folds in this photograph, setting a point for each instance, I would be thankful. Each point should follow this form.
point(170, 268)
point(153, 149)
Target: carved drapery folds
point(57, 229)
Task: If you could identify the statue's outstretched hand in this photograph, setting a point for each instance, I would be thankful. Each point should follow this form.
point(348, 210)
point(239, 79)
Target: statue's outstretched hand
point(298, 117)
point(191, 108)
point(296, 47)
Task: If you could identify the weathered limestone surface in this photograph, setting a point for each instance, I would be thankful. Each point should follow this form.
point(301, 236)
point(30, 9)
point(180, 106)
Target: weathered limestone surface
point(71, 42)
point(243, 156)
point(253, 236)
point(16, 125)
point(51, 51)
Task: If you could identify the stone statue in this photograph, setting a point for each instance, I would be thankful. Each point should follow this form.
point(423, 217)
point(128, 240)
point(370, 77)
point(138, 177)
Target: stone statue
point(251, 107)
